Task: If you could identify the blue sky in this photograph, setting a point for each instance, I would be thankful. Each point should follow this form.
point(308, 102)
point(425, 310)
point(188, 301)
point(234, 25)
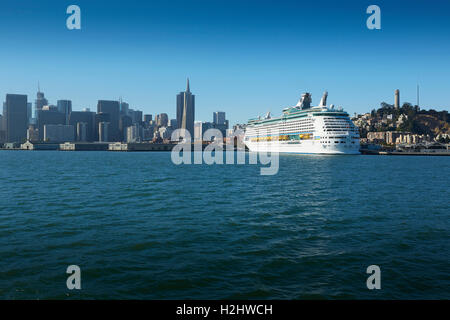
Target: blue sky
point(243, 57)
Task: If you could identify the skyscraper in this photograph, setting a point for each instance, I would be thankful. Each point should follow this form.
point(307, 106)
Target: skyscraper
point(103, 128)
point(100, 118)
point(137, 116)
point(173, 124)
point(124, 107)
point(219, 117)
point(29, 112)
point(134, 133)
point(186, 110)
point(65, 106)
point(84, 117)
point(220, 122)
point(200, 129)
point(124, 122)
point(81, 131)
point(40, 102)
point(113, 109)
point(16, 117)
point(162, 120)
point(147, 118)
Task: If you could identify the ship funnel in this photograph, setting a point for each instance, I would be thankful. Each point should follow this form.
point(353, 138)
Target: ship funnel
point(323, 101)
point(305, 101)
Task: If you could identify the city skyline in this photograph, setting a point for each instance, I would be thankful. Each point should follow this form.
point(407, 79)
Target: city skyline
point(113, 121)
point(64, 105)
point(264, 59)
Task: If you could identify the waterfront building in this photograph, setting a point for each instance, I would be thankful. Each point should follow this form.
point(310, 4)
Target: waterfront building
point(165, 133)
point(16, 117)
point(198, 132)
point(103, 131)
point(33, 145)
point(395, 137)
point(376, 137)
point(200, 128)
point(147, 133)
point(186, 110)
point(86, 117)
point(118, 146)
point(412, 139)
point(81, 131)
point(391, 136)
point(83, 146)
point(124, 123)
point(156, 136)
point(101, 117)
point(58, 133)
point(162, 120)
point(424, 147)
point(134, 133)
point(65, 107)
point(32, 134)
point(48, 115)
point(11, 145)
point(133, 146)
point(113, 109)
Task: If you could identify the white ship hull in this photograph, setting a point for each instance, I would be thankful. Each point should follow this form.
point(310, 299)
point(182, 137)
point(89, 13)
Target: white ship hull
point(305, 147)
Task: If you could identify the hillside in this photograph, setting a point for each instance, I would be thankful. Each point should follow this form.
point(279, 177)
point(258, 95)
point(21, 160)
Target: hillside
point(407, 118)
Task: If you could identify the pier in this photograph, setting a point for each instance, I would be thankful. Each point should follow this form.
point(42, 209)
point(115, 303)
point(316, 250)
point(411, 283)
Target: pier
point(99, 146)
point(420, 149)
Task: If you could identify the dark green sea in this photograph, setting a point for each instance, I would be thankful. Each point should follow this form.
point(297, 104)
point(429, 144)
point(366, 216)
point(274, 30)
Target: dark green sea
point(141, 227)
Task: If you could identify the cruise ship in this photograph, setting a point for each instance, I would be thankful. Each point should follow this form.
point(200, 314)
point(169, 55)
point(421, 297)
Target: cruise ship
point(304, 129)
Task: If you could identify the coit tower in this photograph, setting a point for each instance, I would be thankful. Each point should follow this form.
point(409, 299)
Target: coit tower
point(397, 99)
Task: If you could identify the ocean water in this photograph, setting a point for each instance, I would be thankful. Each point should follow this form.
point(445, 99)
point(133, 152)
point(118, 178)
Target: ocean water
point(141, 227)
